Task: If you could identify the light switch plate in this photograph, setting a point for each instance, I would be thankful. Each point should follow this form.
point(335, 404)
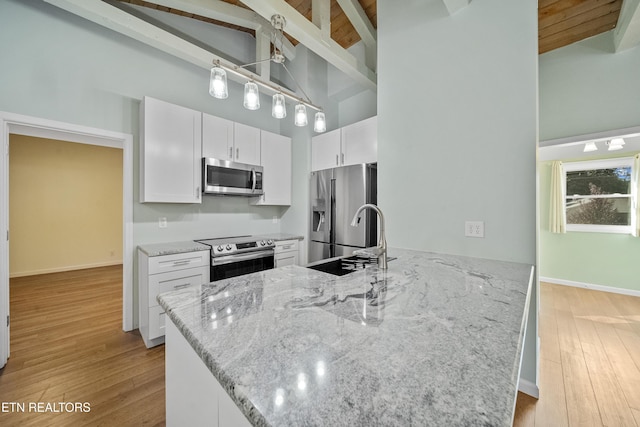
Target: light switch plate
point(162, 222)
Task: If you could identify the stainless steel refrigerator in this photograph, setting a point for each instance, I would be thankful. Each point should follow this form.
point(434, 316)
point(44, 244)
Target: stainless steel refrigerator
point(336, 195)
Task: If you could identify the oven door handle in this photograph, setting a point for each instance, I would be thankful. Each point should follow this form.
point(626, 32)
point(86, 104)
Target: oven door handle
point(242, 257)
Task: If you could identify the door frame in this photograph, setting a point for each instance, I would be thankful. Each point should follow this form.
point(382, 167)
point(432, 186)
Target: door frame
point(44, 128)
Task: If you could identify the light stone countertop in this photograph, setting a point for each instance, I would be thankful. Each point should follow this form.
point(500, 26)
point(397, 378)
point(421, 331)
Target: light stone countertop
point(159, 249)
point(279, 237)
point(435, 340)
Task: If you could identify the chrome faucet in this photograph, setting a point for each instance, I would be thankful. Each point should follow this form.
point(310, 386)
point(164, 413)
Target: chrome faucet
point(382, 243)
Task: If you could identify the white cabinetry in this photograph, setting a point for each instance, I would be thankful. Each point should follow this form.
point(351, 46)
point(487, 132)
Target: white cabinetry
point(286, 253)
point(360, 142)
point(162, 274)
point(170, 153)
point(226, 140)
point(194, 396)
point(246, 144)
point(217, 137)
point(325, 150)
point(350, 145)
point(276, 161)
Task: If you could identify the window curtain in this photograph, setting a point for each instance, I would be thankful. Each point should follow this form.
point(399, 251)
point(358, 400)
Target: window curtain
point(556, 206)
point(635, 185)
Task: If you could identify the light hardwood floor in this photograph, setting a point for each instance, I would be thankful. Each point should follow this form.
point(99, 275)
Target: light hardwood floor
point(589, 360)
point(67, 345)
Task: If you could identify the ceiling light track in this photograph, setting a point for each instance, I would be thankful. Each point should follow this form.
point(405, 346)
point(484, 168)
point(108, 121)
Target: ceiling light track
point(218, 84)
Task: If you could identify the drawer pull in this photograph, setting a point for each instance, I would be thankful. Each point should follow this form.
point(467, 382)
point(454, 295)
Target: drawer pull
point(184, 262)
point(181, 286)
point(286, 247)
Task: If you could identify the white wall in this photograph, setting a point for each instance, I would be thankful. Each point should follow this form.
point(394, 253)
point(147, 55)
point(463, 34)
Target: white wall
point(457, 130)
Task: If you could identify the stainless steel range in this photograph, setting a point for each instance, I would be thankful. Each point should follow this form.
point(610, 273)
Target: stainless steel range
point(234, 256)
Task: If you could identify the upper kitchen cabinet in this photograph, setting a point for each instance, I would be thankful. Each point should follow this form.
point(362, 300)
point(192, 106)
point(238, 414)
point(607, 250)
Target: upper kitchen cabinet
point(350, 145)
point(360, 142)
point(326, 150)
point(246, 144)
point(226, 140)
point(170, 153)
point(276, 161)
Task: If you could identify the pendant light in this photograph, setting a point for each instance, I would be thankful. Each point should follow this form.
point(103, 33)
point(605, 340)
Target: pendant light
point(300, 118)
point(278, 107)
point(218, 83)
point(319, 124)
point(251, 96)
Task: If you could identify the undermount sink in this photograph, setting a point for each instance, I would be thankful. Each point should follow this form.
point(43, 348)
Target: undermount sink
point(342, 266)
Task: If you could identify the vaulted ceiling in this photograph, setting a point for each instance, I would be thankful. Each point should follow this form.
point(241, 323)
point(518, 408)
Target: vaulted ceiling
point(329, 27)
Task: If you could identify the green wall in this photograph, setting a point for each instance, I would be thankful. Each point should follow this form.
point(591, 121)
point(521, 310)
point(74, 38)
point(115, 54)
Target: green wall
point(588, 88)
point(603, 259)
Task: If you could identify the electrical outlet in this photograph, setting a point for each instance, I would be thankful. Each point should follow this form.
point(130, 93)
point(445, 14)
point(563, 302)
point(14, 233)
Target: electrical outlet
point(162, 222)
point(275, 219)
point(474, 228)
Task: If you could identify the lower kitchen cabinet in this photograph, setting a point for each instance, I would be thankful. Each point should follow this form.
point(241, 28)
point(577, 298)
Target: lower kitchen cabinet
point(286, 253)
point(160, 274)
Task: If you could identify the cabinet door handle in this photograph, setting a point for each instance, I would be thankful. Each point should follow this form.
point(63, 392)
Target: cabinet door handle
point(184, 285)
point(342, 154)
point(337, 161)
point(237, 153)
point(230, 152)
point(198, 193)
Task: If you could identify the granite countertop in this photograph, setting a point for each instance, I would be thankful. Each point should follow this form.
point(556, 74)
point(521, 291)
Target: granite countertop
point(158, 249)
point(435, 340)
point(278, 237)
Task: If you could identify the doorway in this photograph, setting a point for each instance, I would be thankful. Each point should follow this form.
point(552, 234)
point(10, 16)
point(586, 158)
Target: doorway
point(42, 128)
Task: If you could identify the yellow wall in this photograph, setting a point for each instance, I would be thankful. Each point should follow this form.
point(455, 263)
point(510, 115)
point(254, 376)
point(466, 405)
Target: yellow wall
point(65, 206)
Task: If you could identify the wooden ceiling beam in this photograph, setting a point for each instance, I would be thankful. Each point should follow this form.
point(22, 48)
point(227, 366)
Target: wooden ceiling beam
point(363, 26)
point(124, 23)
point(226, 12)
point(309, 35)
point(627, 33)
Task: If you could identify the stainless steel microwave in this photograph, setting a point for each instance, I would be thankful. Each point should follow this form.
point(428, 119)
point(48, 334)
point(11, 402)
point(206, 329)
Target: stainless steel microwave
point(225, 177)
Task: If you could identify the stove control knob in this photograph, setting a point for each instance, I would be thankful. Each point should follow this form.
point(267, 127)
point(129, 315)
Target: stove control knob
point(269, 242)
point(219, 249)
point(262, 243)
point(228, 247)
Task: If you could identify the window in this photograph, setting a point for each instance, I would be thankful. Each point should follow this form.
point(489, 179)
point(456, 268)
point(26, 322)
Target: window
point(598, 195)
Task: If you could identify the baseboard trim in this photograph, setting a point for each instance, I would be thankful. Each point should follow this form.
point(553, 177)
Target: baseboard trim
point(527, 387)
point(591, 286)
point(63, 269)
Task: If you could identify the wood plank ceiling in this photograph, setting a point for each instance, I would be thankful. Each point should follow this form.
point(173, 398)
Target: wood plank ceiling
point(560, 22)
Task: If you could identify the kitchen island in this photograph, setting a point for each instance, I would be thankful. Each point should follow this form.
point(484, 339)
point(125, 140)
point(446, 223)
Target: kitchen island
point(434, 340)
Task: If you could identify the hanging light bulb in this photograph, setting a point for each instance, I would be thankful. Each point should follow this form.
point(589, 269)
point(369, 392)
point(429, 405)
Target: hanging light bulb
point(319, 125)
point(278, 109)
point(251, 96)
point(218, 83)
point(300, 116)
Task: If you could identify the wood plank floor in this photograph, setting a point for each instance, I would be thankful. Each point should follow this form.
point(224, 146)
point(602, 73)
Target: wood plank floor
point(67, 345)
point(589, 360)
